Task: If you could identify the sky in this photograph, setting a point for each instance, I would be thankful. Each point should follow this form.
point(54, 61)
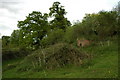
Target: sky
point(12, 11)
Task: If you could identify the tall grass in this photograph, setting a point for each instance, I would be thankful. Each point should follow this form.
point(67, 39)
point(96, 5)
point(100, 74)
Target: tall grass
point(102, 64)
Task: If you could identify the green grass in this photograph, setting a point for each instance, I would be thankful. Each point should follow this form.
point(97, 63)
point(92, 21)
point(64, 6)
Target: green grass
point(104, 64)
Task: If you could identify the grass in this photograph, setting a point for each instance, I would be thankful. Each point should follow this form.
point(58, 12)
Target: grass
point(104, 64)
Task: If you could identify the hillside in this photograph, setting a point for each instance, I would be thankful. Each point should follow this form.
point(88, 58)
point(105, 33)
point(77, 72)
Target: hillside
point(103, 64)
point(56, 48)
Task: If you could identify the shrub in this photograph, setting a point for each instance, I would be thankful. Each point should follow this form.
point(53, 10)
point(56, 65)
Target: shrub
point(13, 53)
point(53, 37)
point(77, 31)
point(69, 36)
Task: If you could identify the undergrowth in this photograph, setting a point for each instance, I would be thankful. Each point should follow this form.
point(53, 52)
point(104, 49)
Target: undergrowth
point(101, 63)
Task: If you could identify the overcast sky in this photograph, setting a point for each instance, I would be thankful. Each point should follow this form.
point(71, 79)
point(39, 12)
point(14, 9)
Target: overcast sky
point(12, 11)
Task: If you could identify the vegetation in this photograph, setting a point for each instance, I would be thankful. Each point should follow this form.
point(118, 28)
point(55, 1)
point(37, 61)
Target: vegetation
point(46, 49)
point(102, 64)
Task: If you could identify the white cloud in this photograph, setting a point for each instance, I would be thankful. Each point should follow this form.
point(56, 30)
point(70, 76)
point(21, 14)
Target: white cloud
point(12, 11)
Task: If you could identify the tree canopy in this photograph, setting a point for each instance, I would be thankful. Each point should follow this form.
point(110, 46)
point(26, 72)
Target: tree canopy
point(33, 28)
point(58, 13)
point(36, 31)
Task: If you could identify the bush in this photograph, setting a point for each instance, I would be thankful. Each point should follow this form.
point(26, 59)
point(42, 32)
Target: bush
point(78, 31)
point(69, 36)
point(53, 37)
point(13, 53)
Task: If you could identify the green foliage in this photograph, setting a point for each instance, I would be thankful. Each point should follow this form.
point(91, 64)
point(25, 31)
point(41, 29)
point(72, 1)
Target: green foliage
point(33, 28)
point(52, 37)
point(14, 38)
point(107, 23)
point(55, 56)
point(12, 53)
point(78, 31)
point(104, 64)
point(70, 35)
point(103, 23)
point(35, 31)
point(58, 13)
point(58, 40)
point(82, 31)
point(5, 41)
point(118, 14)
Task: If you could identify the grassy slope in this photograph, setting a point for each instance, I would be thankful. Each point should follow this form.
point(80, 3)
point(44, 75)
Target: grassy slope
point(103, 64)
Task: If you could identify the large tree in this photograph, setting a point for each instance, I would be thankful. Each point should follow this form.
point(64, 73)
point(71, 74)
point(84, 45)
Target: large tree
point(103, 24)
point(58, 13)
point(107, 23)
point(33, 28)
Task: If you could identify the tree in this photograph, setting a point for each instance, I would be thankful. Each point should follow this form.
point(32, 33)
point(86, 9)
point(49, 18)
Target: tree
point(33, 29)
point(117, 9)
point(14, 39)
point(5, 41)
point(58, 13)
point(89, 26)
point(103, 24)
point(107, 23)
